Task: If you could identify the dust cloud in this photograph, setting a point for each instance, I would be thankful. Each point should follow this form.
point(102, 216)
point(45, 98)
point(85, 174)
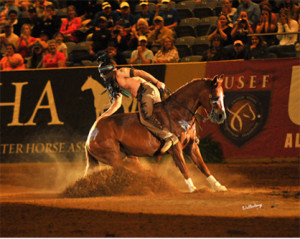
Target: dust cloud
point(119, 181)
point(60, 176)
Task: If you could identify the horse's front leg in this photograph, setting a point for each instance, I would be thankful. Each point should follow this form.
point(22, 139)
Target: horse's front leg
point(193, 151)
point(176, 152)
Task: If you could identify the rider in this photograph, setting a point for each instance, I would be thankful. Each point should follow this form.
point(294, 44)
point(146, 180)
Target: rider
point(139, 84)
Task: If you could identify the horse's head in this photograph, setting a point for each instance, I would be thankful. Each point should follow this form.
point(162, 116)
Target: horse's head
point(214, 102)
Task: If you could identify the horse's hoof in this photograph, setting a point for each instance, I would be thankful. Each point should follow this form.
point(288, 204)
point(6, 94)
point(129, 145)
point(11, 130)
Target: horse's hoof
point(219, 188)
point(192, 189)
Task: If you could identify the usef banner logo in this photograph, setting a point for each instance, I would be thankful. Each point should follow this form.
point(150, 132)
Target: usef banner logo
point(247, 103)
point(246, 115)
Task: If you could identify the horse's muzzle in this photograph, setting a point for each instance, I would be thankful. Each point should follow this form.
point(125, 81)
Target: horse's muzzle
point(218, 118)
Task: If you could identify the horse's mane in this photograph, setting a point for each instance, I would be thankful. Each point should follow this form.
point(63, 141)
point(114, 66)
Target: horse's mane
point(192, 82)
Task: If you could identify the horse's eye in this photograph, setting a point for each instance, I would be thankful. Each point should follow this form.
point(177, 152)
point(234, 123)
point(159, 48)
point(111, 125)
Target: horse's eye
point(216, 98)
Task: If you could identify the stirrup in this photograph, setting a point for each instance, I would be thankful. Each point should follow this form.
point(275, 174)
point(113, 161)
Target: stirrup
point(168, 143)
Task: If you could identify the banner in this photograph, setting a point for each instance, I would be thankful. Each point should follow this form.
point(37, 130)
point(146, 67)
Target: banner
point(262, 104)
point(46, 114)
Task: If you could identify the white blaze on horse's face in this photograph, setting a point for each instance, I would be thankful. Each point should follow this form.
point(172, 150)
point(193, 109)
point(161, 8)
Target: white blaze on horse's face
point(218, 113)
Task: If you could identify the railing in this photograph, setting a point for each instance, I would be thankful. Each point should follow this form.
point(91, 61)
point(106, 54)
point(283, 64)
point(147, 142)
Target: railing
point(273, 33)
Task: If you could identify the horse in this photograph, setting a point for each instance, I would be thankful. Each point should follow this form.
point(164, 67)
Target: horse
point(110, 138)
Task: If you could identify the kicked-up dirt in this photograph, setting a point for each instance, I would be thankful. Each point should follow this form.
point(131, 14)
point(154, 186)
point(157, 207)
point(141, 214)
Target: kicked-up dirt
point(54, 200)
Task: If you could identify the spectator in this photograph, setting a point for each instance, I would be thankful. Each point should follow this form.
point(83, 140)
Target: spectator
point(286, 41)
point(168, 53)
point(34, 22)
point(290, 6)
point(36, 60)
point(25, 42)
point(239, 51)
point(111, 16)
point(142, 55)
point(242, 28)
point(70, 24)
point(146, 13)
point(40, 6)
point(115, 4)
point(50, 22)
point(216, 51)
point(267, 26)
point(126, 19)
point(258, 49)
point(54, 58)
point(160, 32)
point(6, 8)
point(140, 29)
point(272, 12)
point(14, 21)
point(116, 57)
point(169, 14)
point(100, 37)
point(120, 38)
point(252, 10)
point(61, 46)
point(43, 40)
point(11, 61)
point(8, 37)
point(223, 29)
point(228, 10)
point(287, 24)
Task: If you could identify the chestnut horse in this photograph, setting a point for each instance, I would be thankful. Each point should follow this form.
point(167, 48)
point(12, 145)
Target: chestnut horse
point(112, 137)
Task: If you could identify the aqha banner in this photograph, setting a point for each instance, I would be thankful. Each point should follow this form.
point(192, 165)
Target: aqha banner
point(262, 99)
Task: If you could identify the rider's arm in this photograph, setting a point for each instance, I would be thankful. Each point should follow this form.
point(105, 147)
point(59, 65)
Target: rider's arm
point(148, 77)
point(131, 72)
point(116, 104)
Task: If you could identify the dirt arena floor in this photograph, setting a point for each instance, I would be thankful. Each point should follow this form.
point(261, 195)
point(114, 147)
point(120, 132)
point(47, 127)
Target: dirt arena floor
point(53, 200)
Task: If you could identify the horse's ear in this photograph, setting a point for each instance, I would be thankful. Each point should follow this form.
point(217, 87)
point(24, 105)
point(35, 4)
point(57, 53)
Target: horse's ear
point(221, 78)
point(214, 82)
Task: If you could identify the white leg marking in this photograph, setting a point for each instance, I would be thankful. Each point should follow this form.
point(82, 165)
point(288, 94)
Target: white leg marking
point(190, 185)
point(215, 184)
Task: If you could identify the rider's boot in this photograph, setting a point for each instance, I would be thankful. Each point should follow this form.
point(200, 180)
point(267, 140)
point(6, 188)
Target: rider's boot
point(170, 140)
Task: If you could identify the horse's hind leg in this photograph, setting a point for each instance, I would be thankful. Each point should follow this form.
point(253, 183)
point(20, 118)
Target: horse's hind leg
point(193, 151)
point(91, 162)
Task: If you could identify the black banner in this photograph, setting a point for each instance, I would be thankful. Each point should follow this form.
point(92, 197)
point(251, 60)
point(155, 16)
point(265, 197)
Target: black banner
point(46, 114)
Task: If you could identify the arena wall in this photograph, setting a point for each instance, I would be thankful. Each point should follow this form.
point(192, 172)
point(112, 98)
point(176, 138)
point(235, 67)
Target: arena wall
point(46, 114)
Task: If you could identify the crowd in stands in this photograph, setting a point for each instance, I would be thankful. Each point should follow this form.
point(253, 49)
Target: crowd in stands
point(60, 33)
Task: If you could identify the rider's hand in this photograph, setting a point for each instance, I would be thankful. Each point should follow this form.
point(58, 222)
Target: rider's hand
point(160, 85)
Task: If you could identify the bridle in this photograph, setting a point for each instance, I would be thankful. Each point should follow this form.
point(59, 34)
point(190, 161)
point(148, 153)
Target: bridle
point(212, 101)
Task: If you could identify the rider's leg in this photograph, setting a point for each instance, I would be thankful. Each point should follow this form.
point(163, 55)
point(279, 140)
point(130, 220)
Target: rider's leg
point(149, 96)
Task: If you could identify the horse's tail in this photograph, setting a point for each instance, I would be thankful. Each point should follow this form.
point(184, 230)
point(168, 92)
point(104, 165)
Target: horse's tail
point(91, 162)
